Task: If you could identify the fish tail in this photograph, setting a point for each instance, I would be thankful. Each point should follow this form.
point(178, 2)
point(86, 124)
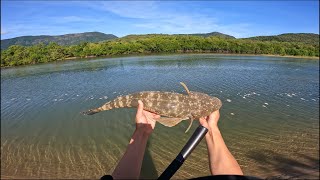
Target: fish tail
point(105, 107)
point(91, 111)
point(119, 102)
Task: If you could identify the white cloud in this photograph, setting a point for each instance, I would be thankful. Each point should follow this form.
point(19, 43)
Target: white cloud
point(159, 17)
point(195, 23)
point(130, 17)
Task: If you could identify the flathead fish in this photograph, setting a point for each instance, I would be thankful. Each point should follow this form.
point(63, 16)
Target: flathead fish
point(172, 107)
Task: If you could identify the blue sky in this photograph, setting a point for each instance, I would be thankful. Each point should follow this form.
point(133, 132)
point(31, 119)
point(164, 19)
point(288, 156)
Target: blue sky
point(237, 18)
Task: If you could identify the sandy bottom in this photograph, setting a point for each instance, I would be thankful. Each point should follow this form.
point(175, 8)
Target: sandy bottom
point(91, 159)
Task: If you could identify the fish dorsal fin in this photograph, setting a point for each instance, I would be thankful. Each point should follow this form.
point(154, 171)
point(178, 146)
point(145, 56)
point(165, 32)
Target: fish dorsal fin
point(191, 120)
point(169, 122)
point(185, 87)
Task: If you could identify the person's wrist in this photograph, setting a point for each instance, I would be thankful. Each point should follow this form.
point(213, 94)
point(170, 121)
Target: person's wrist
point(213, 125)
point(214, 128)
point(144, 129)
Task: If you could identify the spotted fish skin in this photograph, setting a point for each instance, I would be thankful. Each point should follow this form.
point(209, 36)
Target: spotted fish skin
point(190, 106)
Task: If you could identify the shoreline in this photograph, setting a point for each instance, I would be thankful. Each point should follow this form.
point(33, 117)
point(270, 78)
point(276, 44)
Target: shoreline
point(190, 53)
point(272, 55)
point(170, 54)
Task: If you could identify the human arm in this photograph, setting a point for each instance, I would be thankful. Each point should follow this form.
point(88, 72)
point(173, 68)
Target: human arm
point(221, 161)
point(130, 164)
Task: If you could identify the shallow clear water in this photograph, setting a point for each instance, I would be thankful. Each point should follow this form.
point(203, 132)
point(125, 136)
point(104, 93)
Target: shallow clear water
point(269, 118)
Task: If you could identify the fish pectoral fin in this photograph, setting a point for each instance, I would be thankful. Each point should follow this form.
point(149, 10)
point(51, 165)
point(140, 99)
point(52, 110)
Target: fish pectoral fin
point(191, 121)
point(170, 122)
point(150, 119)
point(185, 87)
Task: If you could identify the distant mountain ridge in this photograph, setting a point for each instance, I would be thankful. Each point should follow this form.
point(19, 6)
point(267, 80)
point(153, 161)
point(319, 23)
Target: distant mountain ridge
point(306, 46)
point(66, 39)
point(307, 38)
point(77, 38)
point(217, 34)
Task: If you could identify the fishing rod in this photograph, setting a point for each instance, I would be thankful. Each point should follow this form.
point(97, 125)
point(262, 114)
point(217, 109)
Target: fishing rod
point(194, 140)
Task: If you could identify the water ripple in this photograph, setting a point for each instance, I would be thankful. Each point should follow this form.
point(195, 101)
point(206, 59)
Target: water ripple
point(267, 108)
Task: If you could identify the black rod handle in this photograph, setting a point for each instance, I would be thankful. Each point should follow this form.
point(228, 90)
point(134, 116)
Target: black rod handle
point(192, 143)
point(194, 140)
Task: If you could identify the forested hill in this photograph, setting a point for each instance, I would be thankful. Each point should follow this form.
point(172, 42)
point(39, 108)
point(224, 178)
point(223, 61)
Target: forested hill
point(307, 38)
point(67, 39)
point(74, 39)
point(216, 34)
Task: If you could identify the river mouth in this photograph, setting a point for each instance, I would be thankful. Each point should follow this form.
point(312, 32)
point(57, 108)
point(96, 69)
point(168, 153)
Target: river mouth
point(269, 118)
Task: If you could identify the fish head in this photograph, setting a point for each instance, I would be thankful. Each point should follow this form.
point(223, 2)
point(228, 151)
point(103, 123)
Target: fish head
point(209, 105)
point(205, 104)
point(214, 104)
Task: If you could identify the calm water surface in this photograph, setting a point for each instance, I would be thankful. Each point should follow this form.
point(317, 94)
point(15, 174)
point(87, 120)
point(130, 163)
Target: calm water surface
point(269, 118)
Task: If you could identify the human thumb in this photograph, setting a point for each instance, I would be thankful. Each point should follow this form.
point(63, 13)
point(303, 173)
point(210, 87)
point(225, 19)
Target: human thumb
point(140, 108)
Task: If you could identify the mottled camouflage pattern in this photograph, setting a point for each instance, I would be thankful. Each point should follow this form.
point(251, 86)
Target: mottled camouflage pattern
point(188, 106)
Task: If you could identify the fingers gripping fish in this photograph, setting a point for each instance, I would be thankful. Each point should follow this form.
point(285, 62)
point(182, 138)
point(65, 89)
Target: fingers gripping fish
point(173, 107)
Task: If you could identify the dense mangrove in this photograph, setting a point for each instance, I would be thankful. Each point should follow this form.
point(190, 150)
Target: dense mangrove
point(17, 55)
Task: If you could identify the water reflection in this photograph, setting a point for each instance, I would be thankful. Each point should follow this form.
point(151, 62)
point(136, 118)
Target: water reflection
point(196, 60)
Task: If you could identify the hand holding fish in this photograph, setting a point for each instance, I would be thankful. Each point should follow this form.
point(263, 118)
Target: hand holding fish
point(197, 105)
point(210, 121)
point(145, 119)
point(172, 107)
